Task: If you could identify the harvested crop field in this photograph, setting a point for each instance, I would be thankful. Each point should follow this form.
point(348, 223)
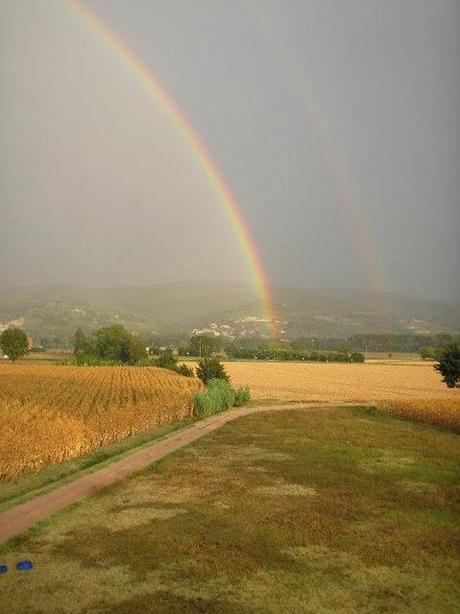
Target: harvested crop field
point(51, 413)
point(340, 382)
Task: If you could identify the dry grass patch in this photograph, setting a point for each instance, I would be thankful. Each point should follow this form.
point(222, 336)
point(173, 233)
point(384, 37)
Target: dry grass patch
point(286, 489)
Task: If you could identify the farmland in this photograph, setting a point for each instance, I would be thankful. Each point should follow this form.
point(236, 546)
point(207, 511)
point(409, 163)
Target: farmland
point(340, 382)
point(410, 390)
point(49, 414)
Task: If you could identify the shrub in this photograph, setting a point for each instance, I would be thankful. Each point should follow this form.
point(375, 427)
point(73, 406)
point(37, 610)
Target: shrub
point(166, 360)
point(217, 397)
point(209, 369)
point(184, 370)
point(242, 396)
point(357, 357)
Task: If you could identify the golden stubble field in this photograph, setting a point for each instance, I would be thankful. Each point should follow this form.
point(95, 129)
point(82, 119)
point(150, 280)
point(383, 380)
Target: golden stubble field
point(410, 390)
point(339, 382)
point(51, 413)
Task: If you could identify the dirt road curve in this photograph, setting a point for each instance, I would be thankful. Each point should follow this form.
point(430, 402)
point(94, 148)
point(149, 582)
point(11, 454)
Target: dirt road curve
point(17, 519)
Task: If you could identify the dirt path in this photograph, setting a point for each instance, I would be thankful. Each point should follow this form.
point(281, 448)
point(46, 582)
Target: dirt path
point(17, 519)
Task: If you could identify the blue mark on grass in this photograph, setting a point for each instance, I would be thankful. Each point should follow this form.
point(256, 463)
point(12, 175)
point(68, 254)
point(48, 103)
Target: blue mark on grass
point(24, 565)
point(3, 568)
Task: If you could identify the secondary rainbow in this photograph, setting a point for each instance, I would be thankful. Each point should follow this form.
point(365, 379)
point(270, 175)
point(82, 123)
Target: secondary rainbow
point(209, 168)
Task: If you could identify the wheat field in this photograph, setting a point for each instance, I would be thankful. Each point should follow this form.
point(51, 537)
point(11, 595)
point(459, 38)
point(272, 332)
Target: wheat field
point(50, 413)
point(439, 412)
point(410, 390)
point(336, 382)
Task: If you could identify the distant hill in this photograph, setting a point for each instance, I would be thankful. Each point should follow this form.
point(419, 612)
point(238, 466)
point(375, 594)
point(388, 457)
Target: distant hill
point(55, 312)
point(341, 313)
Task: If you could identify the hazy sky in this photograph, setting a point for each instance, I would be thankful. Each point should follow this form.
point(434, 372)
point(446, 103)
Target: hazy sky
point(336, 125)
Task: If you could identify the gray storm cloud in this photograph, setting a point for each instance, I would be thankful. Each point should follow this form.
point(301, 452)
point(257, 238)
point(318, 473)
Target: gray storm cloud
point(303, 106)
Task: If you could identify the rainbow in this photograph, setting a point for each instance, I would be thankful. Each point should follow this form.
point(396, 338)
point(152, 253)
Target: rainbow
point(335, 162)
point(203, 158)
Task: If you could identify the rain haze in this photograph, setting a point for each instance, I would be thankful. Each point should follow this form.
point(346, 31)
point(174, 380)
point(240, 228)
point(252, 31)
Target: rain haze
point(335, 125)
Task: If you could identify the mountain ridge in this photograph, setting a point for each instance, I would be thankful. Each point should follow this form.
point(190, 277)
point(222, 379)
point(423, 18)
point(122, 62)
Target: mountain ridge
point(184, 306)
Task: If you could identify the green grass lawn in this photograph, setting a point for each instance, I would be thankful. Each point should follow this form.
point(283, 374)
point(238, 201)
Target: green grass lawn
point(318, 510)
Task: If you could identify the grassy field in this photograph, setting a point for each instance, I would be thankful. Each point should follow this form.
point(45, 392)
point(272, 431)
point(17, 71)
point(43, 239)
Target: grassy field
point(320, 510)
point(49, 414)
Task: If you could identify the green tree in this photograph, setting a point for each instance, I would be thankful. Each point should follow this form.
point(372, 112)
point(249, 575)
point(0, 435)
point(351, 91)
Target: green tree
point(13, 342)
point(81, 345)
point(211, 368)
point(449, 365)
point(204, 345)
point(117, 344)
point(136, 350)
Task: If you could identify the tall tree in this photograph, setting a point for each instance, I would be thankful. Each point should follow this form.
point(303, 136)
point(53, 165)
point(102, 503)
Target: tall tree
point(116, 343)
point(13, 342)
point(449, 365)
point(204, 345)
point(81, 345)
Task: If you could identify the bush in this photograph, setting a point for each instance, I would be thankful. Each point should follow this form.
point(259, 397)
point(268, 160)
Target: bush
point(217, 397)
point(184, 370)
point(242, 396)
point(357, 357)
point(166, 360)
point(209, 369)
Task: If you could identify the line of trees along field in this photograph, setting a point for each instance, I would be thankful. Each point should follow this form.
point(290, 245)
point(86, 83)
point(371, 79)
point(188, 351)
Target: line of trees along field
point(316, 348)
point(108, 344)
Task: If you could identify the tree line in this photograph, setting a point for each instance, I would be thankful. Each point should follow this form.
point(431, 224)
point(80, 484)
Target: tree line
point(110, 344)
point(114, 344)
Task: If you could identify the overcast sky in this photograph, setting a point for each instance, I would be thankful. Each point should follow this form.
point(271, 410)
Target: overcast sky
point(336, 125)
